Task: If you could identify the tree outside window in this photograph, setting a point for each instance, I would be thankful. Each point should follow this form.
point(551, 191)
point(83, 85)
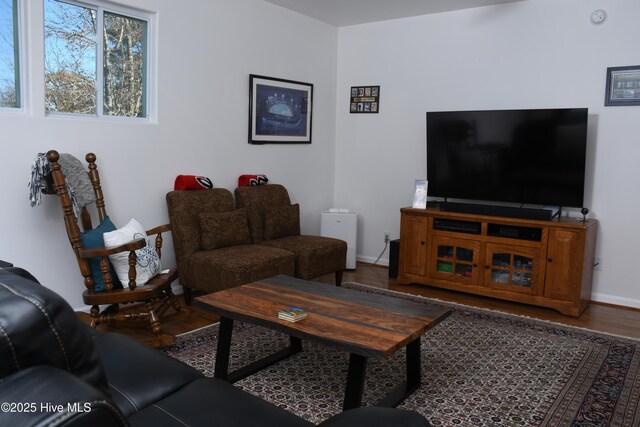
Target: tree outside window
point(9, 63)
point(95, 61)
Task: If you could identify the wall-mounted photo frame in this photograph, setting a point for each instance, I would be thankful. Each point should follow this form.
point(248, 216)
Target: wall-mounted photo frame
point(280, 111)
point(365, 99)
point(623, 86)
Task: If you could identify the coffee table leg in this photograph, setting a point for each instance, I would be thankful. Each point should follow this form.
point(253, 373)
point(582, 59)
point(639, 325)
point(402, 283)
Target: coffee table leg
point(221, 369)
point(355, 381)
point(295, 345)
point(414, 377)
point(414, 370)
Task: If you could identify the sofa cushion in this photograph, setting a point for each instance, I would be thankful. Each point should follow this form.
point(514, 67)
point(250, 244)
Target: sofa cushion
point(281, 221)
point(69, 400)
point(215, 402)
point(94, 239)
point(139, 375)
point(35, 318)
point(376, 417)
point(231, 266)
point(255, 199)
point(315, 255)
point(222, 229)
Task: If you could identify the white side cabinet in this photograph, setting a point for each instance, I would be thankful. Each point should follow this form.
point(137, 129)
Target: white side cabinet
point(343, 226)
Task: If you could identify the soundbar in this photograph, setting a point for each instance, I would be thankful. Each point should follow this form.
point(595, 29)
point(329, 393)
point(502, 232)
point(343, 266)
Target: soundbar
point(497, 210)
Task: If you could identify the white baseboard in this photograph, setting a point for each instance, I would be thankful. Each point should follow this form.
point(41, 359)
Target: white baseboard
point(611, 299)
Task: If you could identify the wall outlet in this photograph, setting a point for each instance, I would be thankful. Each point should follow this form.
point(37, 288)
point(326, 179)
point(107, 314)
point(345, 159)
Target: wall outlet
point(387, 236)
point(597, 264)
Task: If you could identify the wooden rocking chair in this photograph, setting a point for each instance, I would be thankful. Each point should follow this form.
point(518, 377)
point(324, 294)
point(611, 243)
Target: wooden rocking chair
point(154, 297)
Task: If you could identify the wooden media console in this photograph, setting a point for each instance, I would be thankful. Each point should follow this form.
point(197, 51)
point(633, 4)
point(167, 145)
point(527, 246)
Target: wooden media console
point(544, 263)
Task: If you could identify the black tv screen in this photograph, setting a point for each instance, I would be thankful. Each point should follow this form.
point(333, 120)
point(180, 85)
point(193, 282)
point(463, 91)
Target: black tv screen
point(518, 156)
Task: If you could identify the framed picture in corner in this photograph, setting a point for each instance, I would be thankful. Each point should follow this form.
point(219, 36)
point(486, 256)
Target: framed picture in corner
point(280, 111)
point(623, 86)
point(364, 99)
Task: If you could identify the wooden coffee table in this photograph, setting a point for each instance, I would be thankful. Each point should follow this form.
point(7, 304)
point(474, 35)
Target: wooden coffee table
point(365, 325)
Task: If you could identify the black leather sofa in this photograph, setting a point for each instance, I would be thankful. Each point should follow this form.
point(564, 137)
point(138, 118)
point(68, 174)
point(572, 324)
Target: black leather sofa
point(56, 371)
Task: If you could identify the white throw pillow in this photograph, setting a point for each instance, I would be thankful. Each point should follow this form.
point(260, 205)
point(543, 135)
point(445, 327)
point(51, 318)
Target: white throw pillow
point(148, 261)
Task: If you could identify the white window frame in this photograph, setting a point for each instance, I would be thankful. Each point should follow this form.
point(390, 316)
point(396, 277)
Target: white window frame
point(22, 41)
point(150, 71)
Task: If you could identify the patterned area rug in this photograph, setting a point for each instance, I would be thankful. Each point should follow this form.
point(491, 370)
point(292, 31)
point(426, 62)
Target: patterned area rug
point(479, 368)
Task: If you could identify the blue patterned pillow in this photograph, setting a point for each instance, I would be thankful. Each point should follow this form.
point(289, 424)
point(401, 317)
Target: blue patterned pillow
point(93, 239)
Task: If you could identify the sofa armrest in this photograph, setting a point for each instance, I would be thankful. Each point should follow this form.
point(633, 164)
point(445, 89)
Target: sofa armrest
point(45, 395)
point(376, 417)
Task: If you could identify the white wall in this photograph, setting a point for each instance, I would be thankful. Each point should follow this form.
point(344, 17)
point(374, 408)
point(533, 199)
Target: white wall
point(206, 51)
point(530, 54)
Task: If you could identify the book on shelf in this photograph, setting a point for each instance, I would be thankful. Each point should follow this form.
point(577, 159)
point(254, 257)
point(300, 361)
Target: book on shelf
point(292, 314)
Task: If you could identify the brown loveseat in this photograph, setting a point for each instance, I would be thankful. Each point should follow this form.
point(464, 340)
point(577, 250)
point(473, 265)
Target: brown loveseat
point(274, 222)
point(213, 246)
point(218, 246)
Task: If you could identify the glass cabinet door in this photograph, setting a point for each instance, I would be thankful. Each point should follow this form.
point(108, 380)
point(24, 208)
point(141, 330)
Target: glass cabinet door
point(512, 268)
point(457, 257)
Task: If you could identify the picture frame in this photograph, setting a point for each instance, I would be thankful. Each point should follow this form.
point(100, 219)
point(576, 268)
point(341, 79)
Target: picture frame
point(623, 86)
point(364, 100)
point(280, 111)
point(420, 194)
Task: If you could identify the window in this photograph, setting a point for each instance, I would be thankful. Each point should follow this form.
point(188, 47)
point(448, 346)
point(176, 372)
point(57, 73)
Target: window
point(9, 55)
point(95, 60)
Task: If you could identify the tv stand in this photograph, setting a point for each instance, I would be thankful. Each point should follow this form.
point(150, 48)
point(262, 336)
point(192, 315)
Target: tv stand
point(548, 263)
point(498, 210)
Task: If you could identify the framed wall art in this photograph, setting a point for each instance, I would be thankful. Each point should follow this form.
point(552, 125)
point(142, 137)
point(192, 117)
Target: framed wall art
point(279, 111)
point(365, 99)
point(623, 86)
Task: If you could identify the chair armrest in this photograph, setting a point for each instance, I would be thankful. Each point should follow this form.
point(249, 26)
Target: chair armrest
point(159, 229)
point(45, 395)
point(102, 252)
point(158, 232)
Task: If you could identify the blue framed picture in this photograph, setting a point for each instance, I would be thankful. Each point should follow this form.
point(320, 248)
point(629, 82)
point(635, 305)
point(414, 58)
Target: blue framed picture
point(279, 111)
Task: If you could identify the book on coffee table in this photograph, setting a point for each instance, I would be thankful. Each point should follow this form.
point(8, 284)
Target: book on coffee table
point(292, 314)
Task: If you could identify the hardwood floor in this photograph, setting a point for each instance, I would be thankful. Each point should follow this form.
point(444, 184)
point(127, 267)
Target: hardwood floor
point(599, 317)
point(188, 319)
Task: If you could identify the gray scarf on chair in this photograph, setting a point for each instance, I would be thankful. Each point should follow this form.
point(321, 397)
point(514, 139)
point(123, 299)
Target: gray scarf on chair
point(76, 179)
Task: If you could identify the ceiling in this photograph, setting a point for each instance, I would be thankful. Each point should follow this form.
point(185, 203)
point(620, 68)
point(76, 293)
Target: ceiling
point(341, 13)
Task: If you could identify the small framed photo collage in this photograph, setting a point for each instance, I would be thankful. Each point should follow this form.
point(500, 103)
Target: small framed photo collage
point(365, 99)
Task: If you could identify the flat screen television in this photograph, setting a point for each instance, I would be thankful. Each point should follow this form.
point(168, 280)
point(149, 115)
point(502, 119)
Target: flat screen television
point(516, 156)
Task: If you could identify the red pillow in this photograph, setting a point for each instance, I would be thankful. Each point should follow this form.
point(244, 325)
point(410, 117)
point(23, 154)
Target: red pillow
point(251, 180)
point(192, 182)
